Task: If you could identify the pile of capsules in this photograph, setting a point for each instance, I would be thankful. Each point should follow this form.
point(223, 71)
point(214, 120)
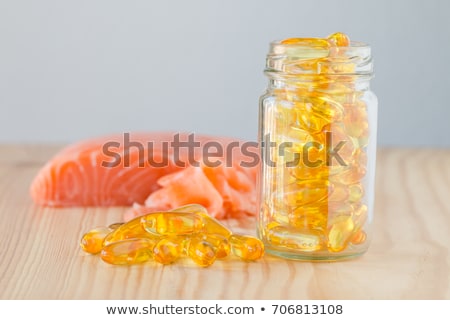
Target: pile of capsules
point(167, 236)
point(312, 203)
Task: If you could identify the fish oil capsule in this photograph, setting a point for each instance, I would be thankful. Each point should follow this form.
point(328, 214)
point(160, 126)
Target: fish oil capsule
point(356, 121)
point(220, 243)
point(114, 226)
point(309, 42)
point(131, 229)
point(340, 193)
point(312, 216)
point(191, 208)
point(168, 250)
point(215, 227)
point(308, 120)
point(359, 215)
point(356, 192)
point(210, 224)
point(92, 241)
point(172, 223)
point(201, 251)
point(327, 108)
point(350, 175)
point(337, 138)
point(303, 192)
point(358, 238)
point(340, 233)
point(126, 252)
point(299, 239)
point(246, 247)
point(339, 39)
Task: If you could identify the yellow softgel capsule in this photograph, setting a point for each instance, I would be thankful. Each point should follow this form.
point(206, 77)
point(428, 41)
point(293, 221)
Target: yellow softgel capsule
point(350, 175)
point(358, 238)
point(356, 121)
point(116, 225)
point(126, 252)
point(300, 239)
point(327, 108)
point(168, 250)
point(191, 208)
point(307, 42)
point(340, 193)
point(312, 216)
point(340, 233)
point(202, 251)
point(131, 229)
point(339, 39)
point(303, 192)
point(246, 247)
point(92, 241)
point(172, 223)
point(210, 224)
point(308, 120)
point(220, 242)
point(356, 192)
point(215, 227)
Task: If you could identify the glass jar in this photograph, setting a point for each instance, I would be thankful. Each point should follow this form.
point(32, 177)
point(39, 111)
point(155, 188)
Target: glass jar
point(317, 132)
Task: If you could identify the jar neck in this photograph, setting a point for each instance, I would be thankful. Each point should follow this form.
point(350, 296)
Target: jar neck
point(319, 84)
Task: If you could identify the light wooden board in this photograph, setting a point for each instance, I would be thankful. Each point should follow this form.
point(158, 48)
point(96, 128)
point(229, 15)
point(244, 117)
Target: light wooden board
point(409, 257)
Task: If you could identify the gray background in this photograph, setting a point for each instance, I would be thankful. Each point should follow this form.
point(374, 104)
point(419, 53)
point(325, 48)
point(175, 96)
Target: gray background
point(75, 69)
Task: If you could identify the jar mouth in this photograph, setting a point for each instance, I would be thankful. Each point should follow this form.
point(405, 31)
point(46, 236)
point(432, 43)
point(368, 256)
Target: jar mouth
point(300, 59)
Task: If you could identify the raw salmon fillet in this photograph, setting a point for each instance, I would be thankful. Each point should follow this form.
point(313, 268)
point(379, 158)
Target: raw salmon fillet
point(78, 176)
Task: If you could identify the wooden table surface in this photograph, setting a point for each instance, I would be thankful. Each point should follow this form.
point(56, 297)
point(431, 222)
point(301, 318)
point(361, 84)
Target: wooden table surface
point(409, 257)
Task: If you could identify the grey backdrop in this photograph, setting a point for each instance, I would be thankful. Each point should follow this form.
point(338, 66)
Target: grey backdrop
point(75, 69)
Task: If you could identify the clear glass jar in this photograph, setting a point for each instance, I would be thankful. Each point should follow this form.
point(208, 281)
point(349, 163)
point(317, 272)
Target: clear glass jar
point(317, 131)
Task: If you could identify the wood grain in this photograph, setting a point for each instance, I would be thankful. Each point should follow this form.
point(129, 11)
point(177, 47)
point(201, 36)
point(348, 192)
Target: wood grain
point(408, 259)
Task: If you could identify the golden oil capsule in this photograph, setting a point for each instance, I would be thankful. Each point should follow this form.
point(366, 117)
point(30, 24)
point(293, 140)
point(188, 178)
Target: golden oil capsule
point(339, 39)
point(355, 192)
point(340, 233)
point(308, 42)
point(201, 251)
point(168, 249)
point(358, 238)
point(304, 172)
point(336, 138)
point(114, 226)
point(130, 229)
point(341, 193)
point(304, 192)
point(213, 226)
point(306, 48)
point(92, 241)
point(312, 216)
point(303, 240)
point(220, 243)
point(327, 108)
point(356, 121)
point(350, 175)
point(126, 252)
point(172, 223)
point(359, 215)
point(210, 224)
point(246, 247)
point(308, 120)
point(191, 208)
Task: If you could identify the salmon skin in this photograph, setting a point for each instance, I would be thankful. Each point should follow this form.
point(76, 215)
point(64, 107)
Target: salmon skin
point(147, 171)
